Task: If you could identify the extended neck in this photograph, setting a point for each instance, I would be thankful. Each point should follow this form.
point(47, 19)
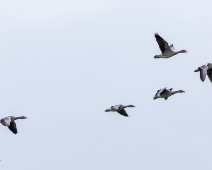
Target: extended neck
point(178, 91)
point(128, 106)
point(108, 110)
point(21, 117)
point(181, 51)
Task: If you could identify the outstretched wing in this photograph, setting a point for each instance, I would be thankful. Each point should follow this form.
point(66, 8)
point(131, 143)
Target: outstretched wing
point(164, 46)
point(6, 121)
point(159, 92)
point(12, 127)
point(165, 91)
point(172, 47)
point(209, 72)
point(123, 112)
point(203, 72)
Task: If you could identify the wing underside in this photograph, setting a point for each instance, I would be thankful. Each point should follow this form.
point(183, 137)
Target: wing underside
point(123, 112)
point(12, 127)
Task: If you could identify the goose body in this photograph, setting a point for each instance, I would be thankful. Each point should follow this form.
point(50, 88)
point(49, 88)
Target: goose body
point(10, 122)
point(167, 51)
point(120, 109)
point(204, 71)
point(166, 93)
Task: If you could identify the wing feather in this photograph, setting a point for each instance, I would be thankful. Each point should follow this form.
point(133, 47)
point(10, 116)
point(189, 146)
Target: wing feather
point(209, 72)
point(164, 92)
point(159, 92)
point(163, 45)
point(123, 112)
point(203, 72)
point(12, 127)
point(172, 47)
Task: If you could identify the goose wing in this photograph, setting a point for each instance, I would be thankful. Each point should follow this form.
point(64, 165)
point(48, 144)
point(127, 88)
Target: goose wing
point(6, 121)
point(209, 72)
point(116, 107)
point(123, 112)
point(203, 72)
point(172, 47)
point(159, 92)
point(12, 127)
point(164, 46)
point(165, 91)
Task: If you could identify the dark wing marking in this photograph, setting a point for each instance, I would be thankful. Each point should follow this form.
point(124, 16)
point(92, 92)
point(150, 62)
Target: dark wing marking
point(123, 112)
point(209, 72)
point(159, 92)
point(162, 43)
point(12, 127)
point(164, 91)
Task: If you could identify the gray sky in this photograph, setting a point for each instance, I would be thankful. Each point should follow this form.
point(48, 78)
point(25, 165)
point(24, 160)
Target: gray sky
point(62, 63)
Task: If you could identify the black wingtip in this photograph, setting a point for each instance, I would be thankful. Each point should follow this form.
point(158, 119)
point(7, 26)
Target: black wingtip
point(156, 35)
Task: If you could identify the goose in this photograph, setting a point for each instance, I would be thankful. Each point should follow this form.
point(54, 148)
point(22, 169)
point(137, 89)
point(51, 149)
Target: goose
point(10, 122)
point(205, 70)
point(167, 51)
point(165, 93)
point(120, 109)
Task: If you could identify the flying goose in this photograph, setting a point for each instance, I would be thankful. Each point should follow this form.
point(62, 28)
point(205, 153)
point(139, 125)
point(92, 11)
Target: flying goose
point(165, 93)
point(167, 51)
point(205, 70)
point(10, 122)
point(120, 109)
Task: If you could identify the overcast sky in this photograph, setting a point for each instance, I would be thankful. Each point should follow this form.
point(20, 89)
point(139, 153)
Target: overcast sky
point(62, 63)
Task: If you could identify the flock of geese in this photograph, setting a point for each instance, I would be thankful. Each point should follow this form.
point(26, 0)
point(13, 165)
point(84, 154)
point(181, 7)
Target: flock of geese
point(167, 52)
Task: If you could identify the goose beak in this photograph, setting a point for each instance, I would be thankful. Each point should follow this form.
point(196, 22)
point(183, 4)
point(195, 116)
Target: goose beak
point(196, 70)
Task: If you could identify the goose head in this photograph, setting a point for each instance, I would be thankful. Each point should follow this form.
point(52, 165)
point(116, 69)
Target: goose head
point(183, 51)
point(181, 91)
point(157, 56)
point(23, 117)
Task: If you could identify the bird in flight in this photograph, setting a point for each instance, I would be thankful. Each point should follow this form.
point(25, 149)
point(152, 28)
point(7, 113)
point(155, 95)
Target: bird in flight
point(120, 109)
point(10, 122)
point(166, 93)
point(167, 51)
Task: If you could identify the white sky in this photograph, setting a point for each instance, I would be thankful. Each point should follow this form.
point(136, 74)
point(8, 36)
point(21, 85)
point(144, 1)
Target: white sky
point(62, 63)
